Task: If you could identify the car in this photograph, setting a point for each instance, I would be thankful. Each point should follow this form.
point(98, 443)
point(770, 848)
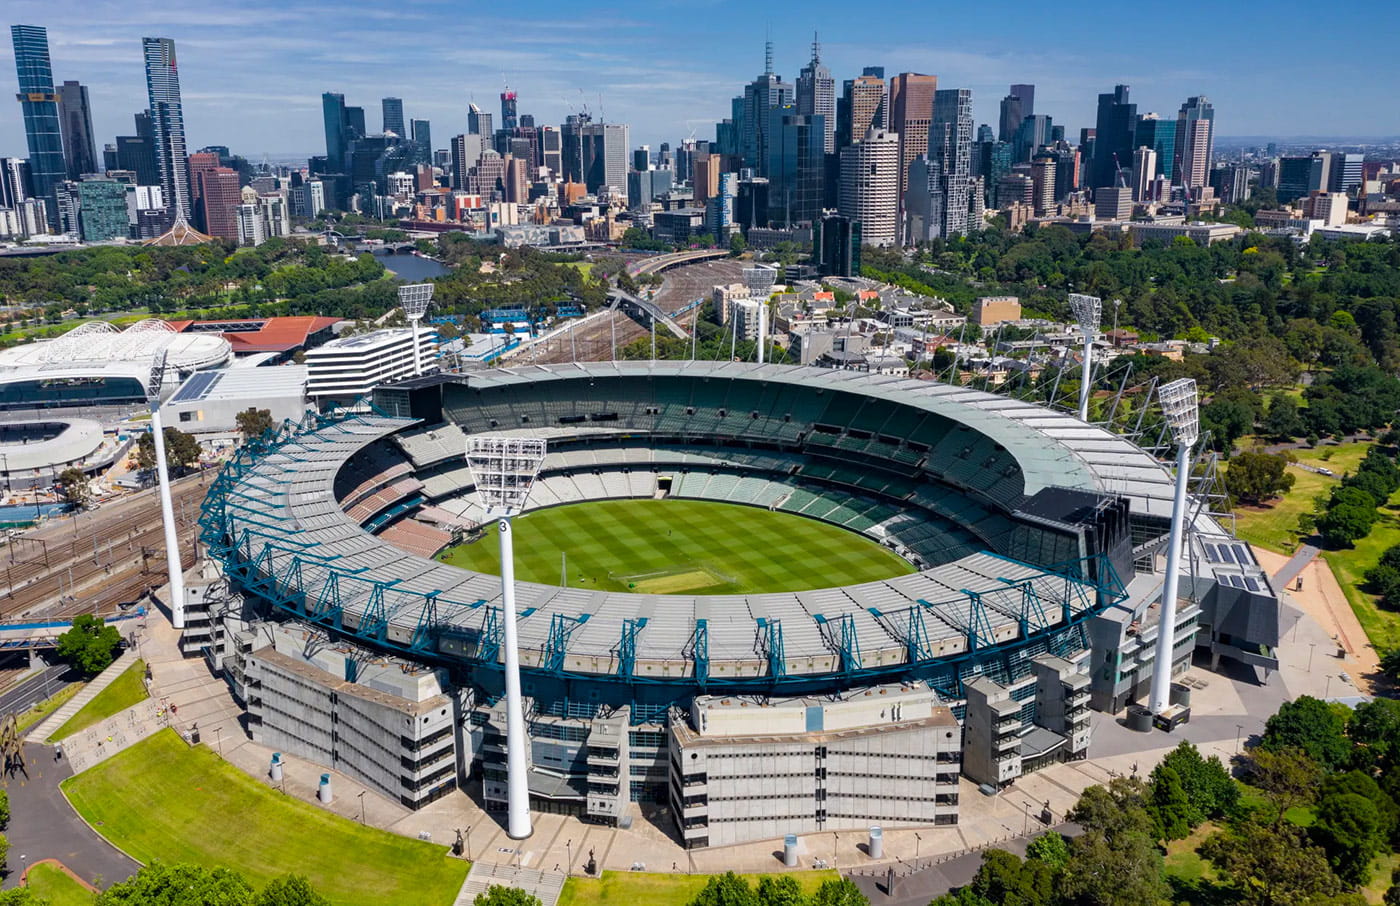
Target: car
point(1328, 472)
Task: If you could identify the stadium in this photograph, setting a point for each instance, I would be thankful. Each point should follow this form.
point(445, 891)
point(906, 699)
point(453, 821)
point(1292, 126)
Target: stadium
point(1023, 549)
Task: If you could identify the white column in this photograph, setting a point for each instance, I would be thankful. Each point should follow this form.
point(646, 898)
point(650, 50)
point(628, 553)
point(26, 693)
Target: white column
point(167, 518)
point(417, 356)
point(517, 779)
point(1160, 697)
point(1086, 376)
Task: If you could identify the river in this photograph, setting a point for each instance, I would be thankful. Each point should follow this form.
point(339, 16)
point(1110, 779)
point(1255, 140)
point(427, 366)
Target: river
point(411, 267)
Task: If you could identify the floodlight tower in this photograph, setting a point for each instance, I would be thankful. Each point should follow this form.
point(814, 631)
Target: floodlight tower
point(504, 469)
point(414, 299)
point(1179, 407)
point(1087, 311)
point(167, 509)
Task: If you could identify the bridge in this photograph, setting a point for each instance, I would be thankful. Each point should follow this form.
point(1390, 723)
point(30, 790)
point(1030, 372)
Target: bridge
point(31, 635)
point(658, 263)
point(644, 310)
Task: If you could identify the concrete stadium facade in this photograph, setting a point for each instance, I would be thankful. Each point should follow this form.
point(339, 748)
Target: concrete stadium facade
point(1036, 539)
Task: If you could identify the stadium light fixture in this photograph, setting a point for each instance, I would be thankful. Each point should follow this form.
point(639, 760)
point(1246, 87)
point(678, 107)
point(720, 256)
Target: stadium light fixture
point(167, 509)
point(1180, 409)
point(1088, 310)
point(414, 299)
point(504, 470)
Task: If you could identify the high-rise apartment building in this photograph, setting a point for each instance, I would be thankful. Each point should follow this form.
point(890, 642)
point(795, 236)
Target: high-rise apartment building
point(219, 198)
point(79, 146)
point(1195, 143)
point(796, 166)
point(1114, 134)
point(200, 163)
point(510, 119)
point(551, 150)
point(704, 180)
point(863, 105)
point(168, 124)
point(102, 210)
point(761, 96)
point(870, 186)
point(392, 112)
point(39, 105)
point(1043, 183)
point(1159, 135)
point(816, 94)
point(911, 113)
point(938, 203)
point(1345, 173)
point(1144, 172)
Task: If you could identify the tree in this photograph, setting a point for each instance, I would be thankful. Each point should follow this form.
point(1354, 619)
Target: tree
point(75, 487)
point(1312, 725)
point(1375, 729)
point(181, 449)
point(779, 890)
point(1283, 421)
point(1210, 790)
point(1115, 862)
point(1049, 848)
point(1168, 805)
point(4, 810)
point(21, 896)
point(290, 890)
point(1270, 866)
point(727, 889)
point(179, 885)
point(90, 645)
point(1005, 879)
point(496, 895)
point(840, 892)
point(253, 422)
point(1362, 784)
point(1349, 830)
point(1392, 895)
point(1344, 525)
point(1256, 477)
point(1288, 776)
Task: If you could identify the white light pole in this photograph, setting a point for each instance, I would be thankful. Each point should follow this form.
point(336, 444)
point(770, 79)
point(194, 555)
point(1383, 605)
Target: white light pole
point(167, 509)
point(414, 299)
point(504, 469)
point(1179, 407)
point(1087, 311)
point(762, 326)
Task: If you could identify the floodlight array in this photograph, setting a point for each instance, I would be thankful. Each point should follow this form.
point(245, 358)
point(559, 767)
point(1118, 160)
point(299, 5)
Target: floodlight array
point(1088, 311)
point(504, 470)
point(415, 298)
point(1180, 409)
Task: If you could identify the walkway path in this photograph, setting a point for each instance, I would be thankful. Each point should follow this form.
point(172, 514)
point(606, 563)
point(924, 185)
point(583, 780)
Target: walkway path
point(75, 704)
point(1285, 576)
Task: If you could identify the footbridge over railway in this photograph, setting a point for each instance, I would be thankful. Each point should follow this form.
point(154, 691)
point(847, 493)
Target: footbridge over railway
point(645, 310)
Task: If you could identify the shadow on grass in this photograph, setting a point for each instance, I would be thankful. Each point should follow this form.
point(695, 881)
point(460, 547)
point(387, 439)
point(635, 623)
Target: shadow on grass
point(1200, 892)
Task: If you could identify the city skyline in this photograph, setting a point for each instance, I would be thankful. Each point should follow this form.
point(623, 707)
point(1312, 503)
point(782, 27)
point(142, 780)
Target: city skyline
point(253, 77)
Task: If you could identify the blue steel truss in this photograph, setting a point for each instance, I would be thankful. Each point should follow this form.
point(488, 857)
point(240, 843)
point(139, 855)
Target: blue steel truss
point(627, 646)
point(700, 653)
point(771, 645)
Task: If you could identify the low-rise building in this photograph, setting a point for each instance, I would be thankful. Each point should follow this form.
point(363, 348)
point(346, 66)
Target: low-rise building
point(347, 368)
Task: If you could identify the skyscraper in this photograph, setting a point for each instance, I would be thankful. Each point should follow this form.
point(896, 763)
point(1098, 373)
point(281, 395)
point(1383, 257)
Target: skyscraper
point(761, 96)
point(796, 165)
point(219, 198)
point(478, 123)
point(392, 109)
point(1032, 135)
point(571, 146)
point(1018, 104)
point(816, 94)
point(938, 201)
point(1195, 142)
point(355, 127)
point(1026, 93)
point(862, 105)
point(605, 157)
point(422, 135)
point(168, 124)
point(1113, 137)
point(39, 105)
point(1159, 135)
point(79, 147)
point(870, 186)
point(509, 118)
point(333, 117)
point(911, 113)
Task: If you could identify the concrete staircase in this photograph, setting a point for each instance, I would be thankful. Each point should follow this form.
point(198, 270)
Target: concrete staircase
point(104, 679)
point(545, 885)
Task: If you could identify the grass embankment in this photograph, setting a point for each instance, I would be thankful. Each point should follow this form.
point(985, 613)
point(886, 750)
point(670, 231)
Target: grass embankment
point(161, 799)
point(125, 691)
point(56, 887)
point(46, 707)
point(1276, 528)
point(682, 547)
point(631, 888)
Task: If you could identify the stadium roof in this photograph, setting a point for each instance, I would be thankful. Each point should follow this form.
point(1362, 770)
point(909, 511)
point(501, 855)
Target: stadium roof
point(98, 345)
point(250, 335)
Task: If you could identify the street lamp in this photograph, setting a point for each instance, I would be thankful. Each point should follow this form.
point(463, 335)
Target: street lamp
point(167, 509)
point(504, 470)
point(1179, 407)
point(414, 299)
point(569, 853)
point(917, 840)
point(1239, 730)
point(1087, 311)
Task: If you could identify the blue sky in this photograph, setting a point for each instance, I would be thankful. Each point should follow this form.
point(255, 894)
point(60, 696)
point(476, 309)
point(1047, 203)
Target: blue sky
point(253, 72)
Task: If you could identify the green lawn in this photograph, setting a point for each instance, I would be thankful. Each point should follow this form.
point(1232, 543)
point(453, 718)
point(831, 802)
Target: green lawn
point(1349, 566)
point(46, 707)
point(631, 888)
point(1275, 527)
point(56, 887)
point(125, 691)
point(161, 799)
point(683, 547)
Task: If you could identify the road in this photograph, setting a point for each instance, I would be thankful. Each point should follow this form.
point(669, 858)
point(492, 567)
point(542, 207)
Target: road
point(594, 343)
point(46, 682)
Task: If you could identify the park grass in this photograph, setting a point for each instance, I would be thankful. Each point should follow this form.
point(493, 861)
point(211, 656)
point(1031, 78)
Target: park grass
point(1275, 527)
point(161, 799)
point(125, 691)
point(56, 887)
point(1382, 627)
point(584, 267)
point(46, 707)
point(682, 546)
point(632, 888)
